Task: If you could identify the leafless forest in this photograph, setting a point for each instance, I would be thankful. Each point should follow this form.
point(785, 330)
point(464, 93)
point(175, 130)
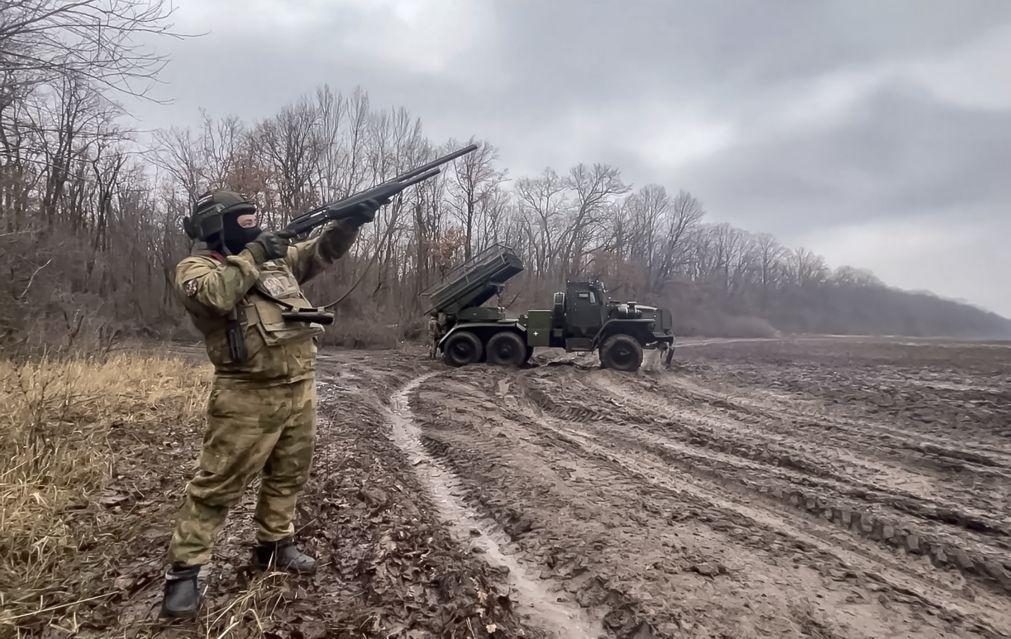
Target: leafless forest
point(91, 210)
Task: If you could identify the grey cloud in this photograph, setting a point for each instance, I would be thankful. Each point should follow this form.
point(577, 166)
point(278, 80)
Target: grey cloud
point(898, 153)
point(716, 49)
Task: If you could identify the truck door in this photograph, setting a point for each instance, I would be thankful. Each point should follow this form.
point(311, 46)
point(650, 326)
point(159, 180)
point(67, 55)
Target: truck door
point(582, 313)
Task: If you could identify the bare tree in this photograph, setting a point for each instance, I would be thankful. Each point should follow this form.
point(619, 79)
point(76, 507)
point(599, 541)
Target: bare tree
point(224, 143)
point(473, 188)
point(807, 268)
point(357, 107)
point(180, 154)
point(770, 265)
point(94, 40)
point(288, 143)
point(686, 213)
point(543, 202)
point(594, 189)
point(647, 210)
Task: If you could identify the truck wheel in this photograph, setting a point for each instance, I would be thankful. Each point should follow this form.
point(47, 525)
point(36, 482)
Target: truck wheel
point(621, 352)
point(507, 349)
point(462, 348)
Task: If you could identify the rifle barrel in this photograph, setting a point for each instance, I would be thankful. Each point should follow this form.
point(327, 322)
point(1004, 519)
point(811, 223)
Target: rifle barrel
point(421, 177)
point(449, 157)
point(346, 207)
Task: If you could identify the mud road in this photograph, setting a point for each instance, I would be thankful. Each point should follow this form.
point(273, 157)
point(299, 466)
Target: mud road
point(808, 488)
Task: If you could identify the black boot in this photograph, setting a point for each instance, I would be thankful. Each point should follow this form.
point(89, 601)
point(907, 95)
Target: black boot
point(182, 595)
point(283, 555)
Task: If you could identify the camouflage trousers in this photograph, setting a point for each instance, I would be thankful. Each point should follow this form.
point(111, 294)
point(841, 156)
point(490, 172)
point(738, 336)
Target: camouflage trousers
point(249, 431)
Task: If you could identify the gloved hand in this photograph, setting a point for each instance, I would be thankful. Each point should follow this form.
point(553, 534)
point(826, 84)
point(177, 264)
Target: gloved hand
point(367, 211)
point(268, 246)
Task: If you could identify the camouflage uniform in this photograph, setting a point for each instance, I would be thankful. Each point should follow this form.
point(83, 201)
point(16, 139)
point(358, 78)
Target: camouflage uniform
point(261, 412)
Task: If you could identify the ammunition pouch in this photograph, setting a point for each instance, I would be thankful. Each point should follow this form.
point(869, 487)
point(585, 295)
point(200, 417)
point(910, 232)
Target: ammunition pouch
point(273, 329)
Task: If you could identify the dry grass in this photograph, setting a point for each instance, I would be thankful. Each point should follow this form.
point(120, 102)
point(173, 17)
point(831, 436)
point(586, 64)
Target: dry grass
point(63, 424)
point(246, 612)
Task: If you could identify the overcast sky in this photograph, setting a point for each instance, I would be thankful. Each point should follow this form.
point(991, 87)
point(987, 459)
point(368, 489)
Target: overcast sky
point(875, 133)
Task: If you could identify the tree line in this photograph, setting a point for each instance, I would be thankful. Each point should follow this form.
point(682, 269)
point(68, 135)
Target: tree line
point(90, 211)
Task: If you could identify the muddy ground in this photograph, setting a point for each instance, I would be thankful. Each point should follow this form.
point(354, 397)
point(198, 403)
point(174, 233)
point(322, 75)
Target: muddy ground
point(762, 488)
point(811, 488)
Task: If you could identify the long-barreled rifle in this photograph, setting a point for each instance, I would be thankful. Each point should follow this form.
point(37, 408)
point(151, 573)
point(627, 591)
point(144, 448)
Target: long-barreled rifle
point(380, 194)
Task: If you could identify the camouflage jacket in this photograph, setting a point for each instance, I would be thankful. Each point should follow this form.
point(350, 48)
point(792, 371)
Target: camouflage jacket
point(278, 351)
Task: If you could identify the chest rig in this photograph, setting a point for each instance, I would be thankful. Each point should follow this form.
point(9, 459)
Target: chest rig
point(278, 309)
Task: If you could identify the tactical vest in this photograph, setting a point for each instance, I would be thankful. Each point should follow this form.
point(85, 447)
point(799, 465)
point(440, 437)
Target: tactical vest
point(278, 348)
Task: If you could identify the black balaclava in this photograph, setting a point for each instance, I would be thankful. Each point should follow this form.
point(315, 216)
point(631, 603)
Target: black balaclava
point(234, 237)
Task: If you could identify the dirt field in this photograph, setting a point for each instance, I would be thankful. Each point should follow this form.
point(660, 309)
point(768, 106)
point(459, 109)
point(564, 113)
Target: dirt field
point(820, 488)
point(807, 488)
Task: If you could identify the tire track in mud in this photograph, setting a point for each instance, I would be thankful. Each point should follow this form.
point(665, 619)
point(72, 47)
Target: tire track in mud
point(821, 547)
point(566, 476)
point(534, 594)
point(913, 392)
point(861, 445)
point(816, 534)
point(706, 479)
point(813, 457)
point(948, 534)
point(980, 457)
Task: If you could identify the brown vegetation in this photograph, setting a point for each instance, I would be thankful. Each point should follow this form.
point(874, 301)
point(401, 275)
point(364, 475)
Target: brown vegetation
point(72, 502)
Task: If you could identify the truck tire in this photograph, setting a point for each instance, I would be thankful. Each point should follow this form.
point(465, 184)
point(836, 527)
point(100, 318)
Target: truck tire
point(506, 349)
point(621, 352)
point(462, 348)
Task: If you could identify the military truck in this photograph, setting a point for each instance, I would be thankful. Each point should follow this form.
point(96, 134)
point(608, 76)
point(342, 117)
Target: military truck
point(581, 318)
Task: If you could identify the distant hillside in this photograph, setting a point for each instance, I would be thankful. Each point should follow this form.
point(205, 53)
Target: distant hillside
point(883, 310)
point(830, 308)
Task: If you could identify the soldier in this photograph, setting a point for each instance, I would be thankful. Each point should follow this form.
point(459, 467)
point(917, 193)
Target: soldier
point(433, 337)
point(242, 292)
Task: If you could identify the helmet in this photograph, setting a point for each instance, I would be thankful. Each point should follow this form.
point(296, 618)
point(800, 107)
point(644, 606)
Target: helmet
point(206, 220)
